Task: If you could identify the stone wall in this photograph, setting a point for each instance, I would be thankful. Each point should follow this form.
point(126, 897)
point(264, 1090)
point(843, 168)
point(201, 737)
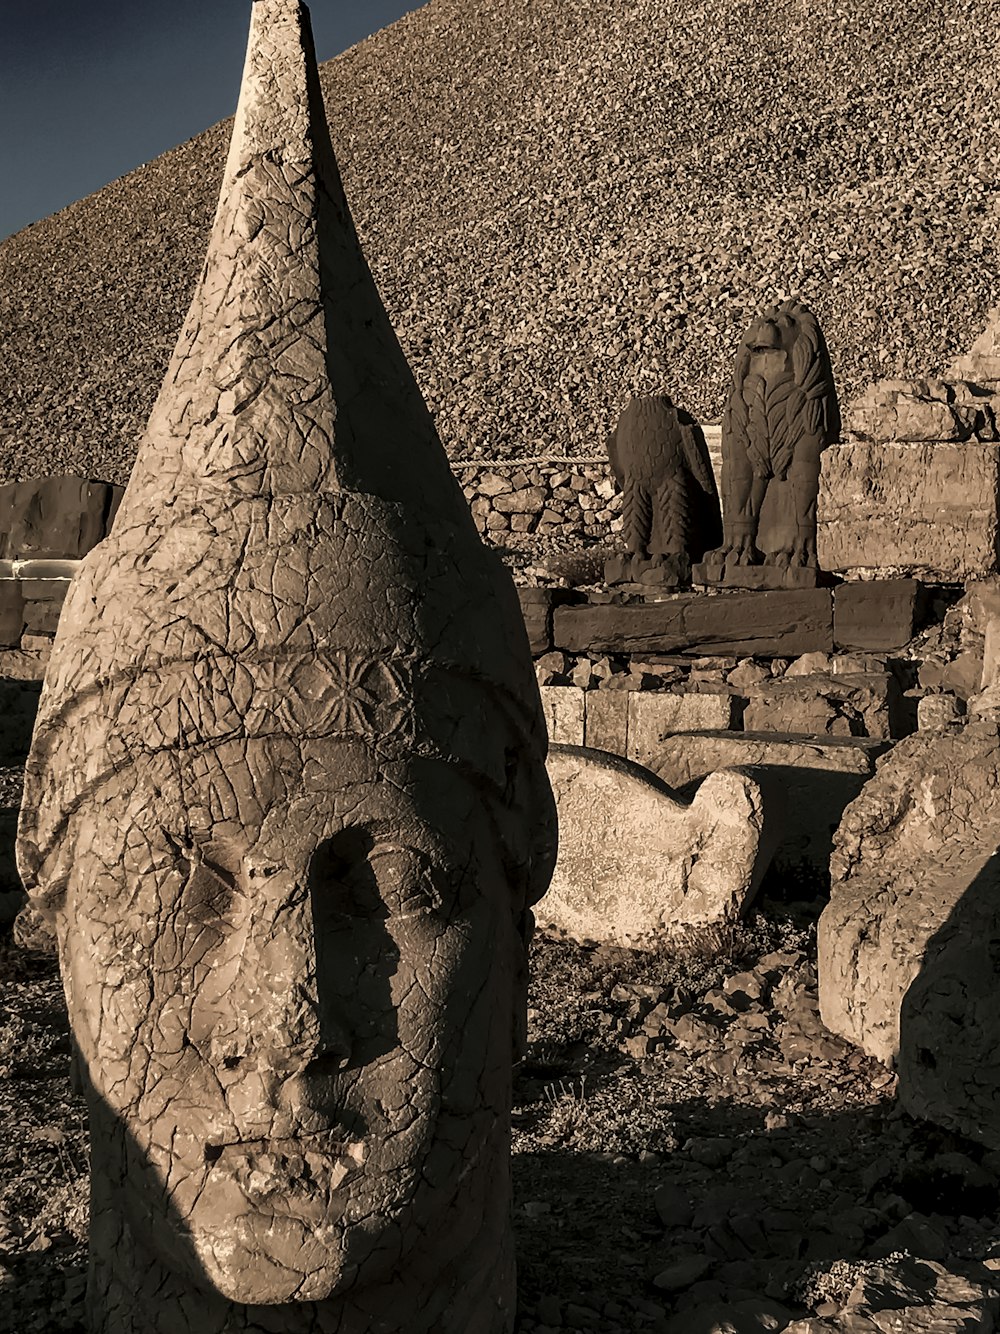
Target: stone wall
point(550, 503)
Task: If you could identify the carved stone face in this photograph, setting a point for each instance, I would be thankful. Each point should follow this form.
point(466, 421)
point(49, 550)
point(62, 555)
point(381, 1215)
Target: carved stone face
point(292, 976)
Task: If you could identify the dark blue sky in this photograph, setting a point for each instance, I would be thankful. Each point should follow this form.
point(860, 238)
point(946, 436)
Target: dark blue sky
point(89, 89)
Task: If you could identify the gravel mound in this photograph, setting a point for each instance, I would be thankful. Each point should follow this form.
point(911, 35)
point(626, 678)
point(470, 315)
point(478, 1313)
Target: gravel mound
point(563, 204)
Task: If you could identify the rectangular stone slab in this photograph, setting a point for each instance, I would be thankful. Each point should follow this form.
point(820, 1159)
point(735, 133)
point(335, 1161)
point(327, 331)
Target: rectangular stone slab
point(55, 516)
point(781, 623)
point(876, 614)
point(924, 509)
point(563, 707)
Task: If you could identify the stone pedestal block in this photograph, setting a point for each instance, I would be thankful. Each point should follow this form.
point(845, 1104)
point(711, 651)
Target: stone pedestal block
point(634, 723)
point(811, 780)
point(908, 953)
point(876, 615)
point(563, 707)
point(667, 571)
point(772, 624)
point(655, 716)
point(536, 608)
point(11, 613)
point(916, 508)
point(636, 866)
point(755, 576)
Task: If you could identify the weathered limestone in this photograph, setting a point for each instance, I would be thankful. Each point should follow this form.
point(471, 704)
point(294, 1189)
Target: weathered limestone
point(670, 502)
point(287, 804)
point(876, 614)
point(781, 414)
point(55, 516)
point(914, 489)
point(981, 364)
point(810, 781)
point(908, 943)
point(823, 704)
point(633, 723)
point(636, 866)
point(772, 624)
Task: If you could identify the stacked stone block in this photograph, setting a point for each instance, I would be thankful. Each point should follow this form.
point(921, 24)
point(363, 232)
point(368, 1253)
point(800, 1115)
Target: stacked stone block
point(914, 487)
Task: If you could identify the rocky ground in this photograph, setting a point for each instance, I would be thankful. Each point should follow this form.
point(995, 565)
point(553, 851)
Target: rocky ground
point(565, 203)
point(693, 1154)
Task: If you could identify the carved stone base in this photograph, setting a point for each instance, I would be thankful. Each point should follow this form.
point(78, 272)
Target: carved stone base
point(671, 571)
point(757, 576)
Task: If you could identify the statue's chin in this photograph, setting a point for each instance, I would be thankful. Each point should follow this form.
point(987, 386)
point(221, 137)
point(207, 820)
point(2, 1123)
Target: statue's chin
point(281, 1264)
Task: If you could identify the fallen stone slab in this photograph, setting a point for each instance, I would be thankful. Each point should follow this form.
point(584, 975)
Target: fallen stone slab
point(922, 509)
point(813, 780)
point(636, 865)
point(908, 952)
point(777, 623)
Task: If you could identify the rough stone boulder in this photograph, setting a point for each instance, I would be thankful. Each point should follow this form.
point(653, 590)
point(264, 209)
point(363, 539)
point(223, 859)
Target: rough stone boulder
point(909, 946)
point(636, 864)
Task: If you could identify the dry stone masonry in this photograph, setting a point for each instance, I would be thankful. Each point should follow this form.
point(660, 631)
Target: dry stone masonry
point(914, 486)
point(286, 803)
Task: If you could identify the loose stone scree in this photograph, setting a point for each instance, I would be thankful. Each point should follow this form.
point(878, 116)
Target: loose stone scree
point(287, 803)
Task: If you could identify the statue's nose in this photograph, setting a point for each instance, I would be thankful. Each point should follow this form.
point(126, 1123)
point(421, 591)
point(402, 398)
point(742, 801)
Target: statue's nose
point(271, 1004)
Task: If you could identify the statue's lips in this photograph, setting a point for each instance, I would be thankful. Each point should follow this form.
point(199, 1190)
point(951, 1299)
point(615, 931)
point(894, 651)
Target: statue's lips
point(305, 1173)
point(330, 1143)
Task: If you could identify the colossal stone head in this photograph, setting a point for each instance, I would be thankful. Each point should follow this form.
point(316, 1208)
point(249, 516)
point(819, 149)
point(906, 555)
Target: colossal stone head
point(286, 802)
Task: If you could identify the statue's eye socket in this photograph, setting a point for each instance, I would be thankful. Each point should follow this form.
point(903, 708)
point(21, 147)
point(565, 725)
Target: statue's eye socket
point(353, 876)
point(341, 881)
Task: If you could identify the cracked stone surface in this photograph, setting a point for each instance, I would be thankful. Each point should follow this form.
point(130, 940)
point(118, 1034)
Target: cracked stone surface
point(286, 803)
point(908, 943)
point(637, 866)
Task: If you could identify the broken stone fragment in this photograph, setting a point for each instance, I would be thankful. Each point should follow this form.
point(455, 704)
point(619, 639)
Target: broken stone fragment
point(636, 866)
point(907, 957)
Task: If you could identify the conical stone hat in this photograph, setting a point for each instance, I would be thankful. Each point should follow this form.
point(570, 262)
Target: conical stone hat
point(292, 554)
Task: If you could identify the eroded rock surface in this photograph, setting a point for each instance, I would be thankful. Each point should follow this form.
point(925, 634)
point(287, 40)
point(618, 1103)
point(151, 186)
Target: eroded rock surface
point(907, 945)
point(637, 866)
point(286, 803)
